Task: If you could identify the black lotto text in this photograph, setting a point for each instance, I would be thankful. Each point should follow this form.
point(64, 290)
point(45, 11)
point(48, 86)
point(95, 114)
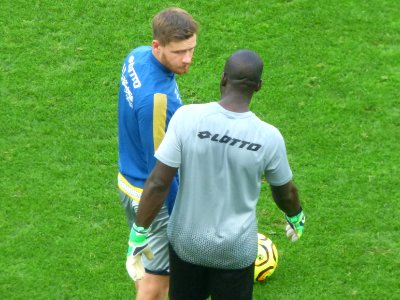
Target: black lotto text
point(229, 140)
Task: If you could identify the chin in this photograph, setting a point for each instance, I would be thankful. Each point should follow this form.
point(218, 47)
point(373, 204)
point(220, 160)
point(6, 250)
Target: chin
point(182, 71)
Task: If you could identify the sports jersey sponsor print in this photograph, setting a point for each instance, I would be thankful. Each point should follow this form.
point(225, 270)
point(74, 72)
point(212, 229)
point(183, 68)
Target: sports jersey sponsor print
point(127, 90)
point(224, 139)
point(132, 73)
point(135, 80)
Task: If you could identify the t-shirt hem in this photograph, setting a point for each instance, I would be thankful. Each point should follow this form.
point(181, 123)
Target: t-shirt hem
point(167, 162)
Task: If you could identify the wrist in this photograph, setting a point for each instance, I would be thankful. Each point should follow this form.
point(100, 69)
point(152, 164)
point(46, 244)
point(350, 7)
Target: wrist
point(297, 214)
point(140, 230)
point(296, 220)
point(138, 234)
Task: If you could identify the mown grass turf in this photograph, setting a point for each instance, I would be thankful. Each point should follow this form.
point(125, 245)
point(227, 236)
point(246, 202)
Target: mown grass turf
point(331, 85)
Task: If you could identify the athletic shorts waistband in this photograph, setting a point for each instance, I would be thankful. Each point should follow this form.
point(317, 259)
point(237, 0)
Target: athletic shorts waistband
point(130, 190)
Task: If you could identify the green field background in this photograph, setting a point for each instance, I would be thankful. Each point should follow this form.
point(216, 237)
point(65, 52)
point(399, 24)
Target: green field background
point(331, 86)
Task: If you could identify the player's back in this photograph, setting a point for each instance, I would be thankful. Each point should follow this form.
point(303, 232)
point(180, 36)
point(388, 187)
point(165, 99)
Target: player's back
point(224, 155)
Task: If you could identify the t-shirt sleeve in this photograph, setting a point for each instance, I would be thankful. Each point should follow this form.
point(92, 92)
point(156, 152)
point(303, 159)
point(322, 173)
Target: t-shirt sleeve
point(169, 151)
point(278, 171)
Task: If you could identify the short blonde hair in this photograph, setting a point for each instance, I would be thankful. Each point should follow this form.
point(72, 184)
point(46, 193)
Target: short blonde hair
point(173, 24)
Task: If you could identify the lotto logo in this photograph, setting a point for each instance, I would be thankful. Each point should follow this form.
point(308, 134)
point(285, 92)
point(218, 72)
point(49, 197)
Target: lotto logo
point(228, 140)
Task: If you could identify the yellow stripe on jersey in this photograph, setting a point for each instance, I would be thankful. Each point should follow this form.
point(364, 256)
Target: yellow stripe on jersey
point(159, 118)
point(133, 192)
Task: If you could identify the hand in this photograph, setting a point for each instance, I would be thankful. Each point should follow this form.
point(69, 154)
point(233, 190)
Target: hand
point(137, 246)
point(295, 227)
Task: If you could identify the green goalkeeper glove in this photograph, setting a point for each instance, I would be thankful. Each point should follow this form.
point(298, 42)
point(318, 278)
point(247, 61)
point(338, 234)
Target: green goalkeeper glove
point(295, 227)
point(137, 246)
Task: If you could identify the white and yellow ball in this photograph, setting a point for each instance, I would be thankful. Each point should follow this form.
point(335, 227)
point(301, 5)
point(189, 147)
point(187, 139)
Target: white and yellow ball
point(266, 260)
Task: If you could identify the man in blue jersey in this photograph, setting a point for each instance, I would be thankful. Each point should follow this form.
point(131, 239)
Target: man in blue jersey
point(148, 97)
point(222, 151)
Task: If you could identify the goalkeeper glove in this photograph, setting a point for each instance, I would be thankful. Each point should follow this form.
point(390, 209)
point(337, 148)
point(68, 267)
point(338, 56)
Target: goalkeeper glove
point(295, 227)
point(137, 246)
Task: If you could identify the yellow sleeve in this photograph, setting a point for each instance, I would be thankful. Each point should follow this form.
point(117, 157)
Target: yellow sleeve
point(159, 119)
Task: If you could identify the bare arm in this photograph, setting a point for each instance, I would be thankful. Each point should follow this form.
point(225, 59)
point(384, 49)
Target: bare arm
point(154, 193)
point(287, 198)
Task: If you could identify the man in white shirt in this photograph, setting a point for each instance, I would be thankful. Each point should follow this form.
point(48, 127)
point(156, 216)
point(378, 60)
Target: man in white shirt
point(221, 150)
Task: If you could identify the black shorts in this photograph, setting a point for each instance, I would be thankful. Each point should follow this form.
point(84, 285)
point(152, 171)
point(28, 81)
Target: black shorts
point(189, 281)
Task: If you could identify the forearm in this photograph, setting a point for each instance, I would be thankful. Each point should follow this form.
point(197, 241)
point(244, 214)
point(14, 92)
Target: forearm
point(287, 199)
point(151, 201)
point(154, 193)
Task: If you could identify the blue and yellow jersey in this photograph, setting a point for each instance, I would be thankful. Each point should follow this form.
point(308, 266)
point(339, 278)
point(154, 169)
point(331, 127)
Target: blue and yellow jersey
point(148, 97)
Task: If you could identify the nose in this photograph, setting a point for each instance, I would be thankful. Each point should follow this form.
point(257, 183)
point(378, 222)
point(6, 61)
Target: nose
point(187, 58)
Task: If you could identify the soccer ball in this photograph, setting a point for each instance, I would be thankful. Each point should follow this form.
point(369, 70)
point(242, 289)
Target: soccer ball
point(266, 260)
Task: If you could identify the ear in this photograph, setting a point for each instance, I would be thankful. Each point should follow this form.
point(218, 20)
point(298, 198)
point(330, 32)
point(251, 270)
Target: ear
point(224, 79)
point(259, 84)
point(155, 44)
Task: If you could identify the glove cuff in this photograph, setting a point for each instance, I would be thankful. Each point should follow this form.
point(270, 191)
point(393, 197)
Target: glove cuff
point(140, 230)
point(137, 237)
point(297, 218)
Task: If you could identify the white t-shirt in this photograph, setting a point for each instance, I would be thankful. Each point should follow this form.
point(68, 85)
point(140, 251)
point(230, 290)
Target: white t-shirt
point(221, 156)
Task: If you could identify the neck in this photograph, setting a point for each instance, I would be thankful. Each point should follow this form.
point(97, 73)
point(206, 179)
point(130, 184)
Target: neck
point(155, 54)
point(235, 105)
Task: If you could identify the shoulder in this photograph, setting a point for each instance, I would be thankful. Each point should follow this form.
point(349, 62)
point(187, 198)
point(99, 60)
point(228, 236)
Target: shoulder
point(184, 112)
point(138, 58)
point(194, 111)
point(268, 130)
point(141, 51)
point(186, 116)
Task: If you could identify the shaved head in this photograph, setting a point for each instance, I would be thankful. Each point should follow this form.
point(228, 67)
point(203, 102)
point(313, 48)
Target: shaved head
point(244, 68)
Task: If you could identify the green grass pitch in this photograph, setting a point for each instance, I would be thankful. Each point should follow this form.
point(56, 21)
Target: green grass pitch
point(331, 85)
